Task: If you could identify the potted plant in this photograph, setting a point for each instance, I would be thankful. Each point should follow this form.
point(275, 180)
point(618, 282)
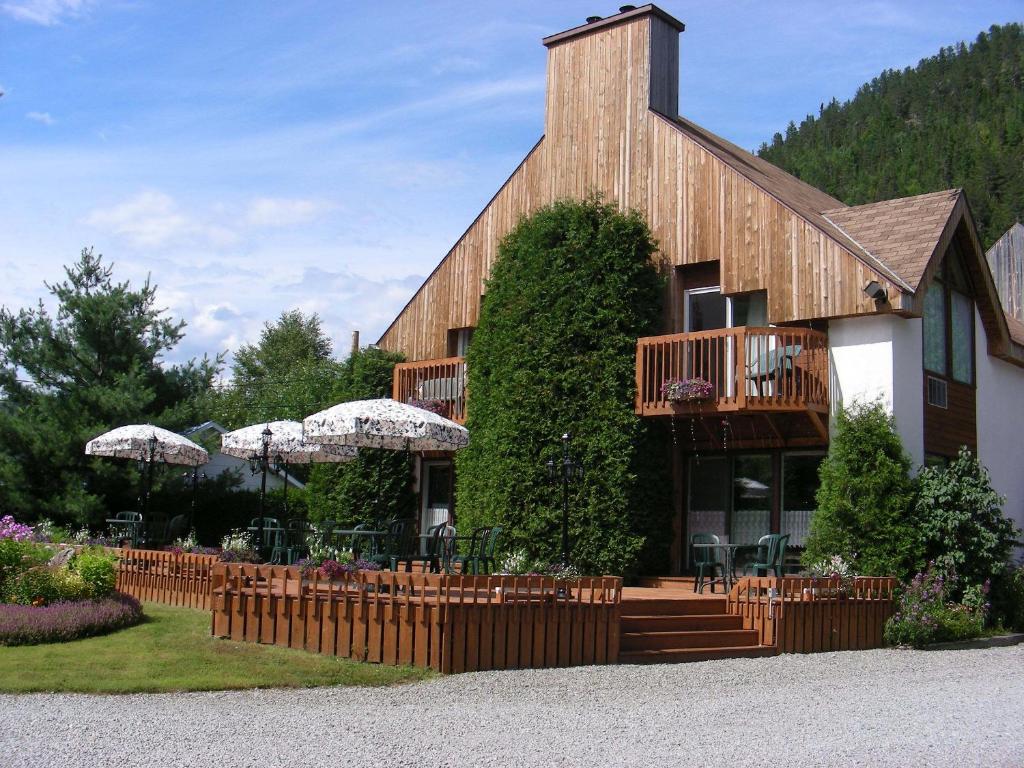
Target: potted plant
point(687, 390)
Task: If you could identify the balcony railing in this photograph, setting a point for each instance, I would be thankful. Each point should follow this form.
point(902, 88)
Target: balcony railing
point(748, 369)
point(441, 384)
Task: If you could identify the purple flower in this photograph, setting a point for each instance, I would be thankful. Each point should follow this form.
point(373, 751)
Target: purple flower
point(9, 529)
point(60, 622)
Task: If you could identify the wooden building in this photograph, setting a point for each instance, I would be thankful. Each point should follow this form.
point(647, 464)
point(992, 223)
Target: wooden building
point(788, 301)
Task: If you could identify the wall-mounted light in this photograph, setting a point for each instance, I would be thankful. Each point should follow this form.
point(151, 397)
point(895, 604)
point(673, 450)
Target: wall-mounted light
point(874, 290)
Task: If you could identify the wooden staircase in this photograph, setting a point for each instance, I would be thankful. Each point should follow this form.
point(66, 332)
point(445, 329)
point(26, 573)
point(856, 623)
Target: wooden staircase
point(669, 623)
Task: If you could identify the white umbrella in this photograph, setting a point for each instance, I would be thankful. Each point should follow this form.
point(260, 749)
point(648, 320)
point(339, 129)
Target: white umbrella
point(286, 441)
point(147, 444)
point(144, 442)
point(384, 423)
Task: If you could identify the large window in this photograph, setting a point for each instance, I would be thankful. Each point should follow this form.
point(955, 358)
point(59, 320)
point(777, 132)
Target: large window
point(949, 323)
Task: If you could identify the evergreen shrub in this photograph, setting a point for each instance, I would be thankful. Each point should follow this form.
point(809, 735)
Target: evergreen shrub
point(571, 291)
point(865, 498)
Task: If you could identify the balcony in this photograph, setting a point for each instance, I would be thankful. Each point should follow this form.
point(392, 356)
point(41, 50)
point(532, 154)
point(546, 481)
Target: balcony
point(768, 385)
point(441, 384)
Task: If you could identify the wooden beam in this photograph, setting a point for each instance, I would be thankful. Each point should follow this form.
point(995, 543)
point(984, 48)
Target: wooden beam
point(819, 426)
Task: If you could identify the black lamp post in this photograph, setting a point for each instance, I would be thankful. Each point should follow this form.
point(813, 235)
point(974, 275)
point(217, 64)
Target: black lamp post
point(568, 470)
point(196, 477)
point(260, 463)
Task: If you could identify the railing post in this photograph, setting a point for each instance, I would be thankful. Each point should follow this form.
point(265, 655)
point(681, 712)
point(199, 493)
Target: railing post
point(640, 377)
point(741, 368)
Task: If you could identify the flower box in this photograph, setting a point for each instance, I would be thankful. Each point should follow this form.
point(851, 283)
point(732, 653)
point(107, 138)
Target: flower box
point(687, 390)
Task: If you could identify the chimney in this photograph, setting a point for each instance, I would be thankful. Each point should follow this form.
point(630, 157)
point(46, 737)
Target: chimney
point(355, 343)
point(622, 63)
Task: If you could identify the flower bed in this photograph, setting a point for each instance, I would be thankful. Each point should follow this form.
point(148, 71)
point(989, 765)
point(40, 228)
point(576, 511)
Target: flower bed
point(63, 621)
point(926, 613)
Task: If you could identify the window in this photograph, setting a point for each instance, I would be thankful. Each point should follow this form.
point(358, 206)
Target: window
point(459, 340)
point(799, 490)
point(962, 321)
point(948, 319)
point(938, 392)
point(935, 328)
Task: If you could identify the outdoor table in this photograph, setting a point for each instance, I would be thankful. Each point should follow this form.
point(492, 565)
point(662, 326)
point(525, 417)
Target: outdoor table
point(730, 559)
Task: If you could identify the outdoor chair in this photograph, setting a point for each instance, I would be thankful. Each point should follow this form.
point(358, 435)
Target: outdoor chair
point(476, 558)
point(771, 555)
point(487, 560)
point(438, 549)
point(705, 561)
point(399, 544)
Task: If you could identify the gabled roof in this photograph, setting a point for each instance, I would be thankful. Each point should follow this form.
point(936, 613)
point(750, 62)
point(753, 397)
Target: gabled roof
point(805, 200)
point(903, 233)
point(206, 425)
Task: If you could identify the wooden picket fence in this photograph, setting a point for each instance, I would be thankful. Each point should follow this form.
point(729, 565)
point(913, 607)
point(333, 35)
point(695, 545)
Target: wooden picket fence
point(805, 615)
point(449, 623)
point(165, 577)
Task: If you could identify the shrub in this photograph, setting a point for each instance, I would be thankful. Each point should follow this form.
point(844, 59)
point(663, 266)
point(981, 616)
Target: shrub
point(572, 289)
point(865, 495)
point(98, 571)
point(926, 615)
point(63, 621)
point(960, 521)
point(1008, 598)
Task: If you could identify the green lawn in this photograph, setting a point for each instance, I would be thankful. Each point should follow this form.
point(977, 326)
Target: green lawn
point(172, 651)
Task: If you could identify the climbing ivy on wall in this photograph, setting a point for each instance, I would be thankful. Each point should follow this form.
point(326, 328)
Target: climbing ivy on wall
point(572, 289)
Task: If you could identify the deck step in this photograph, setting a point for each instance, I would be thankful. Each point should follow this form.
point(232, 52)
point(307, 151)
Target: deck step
point(651, 641)
point(671, 623)
point(673, 606)
point(680, 655)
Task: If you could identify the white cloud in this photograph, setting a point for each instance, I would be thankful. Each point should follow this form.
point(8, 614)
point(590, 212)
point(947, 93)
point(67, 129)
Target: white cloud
point(153, 219)
point(45, 12)
point(284, 212)
point(150, 218)
point(40, 117)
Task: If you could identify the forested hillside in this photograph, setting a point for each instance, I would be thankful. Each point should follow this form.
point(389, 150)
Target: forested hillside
point(956, 120)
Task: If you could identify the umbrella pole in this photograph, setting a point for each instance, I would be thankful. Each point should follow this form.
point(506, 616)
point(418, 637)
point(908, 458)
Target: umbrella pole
point(263, 493)
point(286, 490)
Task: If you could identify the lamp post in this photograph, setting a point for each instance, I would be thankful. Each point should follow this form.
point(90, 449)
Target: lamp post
point(196, 477)
point(260, 463)
point(567, 470)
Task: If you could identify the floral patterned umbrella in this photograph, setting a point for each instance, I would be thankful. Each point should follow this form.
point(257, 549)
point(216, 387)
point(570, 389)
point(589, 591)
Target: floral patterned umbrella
point(385, 423)
point(285, 441)
point(144, 442)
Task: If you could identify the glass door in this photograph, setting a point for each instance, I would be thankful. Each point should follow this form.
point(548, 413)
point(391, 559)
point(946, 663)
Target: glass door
point(436, 502)
point(706, 309)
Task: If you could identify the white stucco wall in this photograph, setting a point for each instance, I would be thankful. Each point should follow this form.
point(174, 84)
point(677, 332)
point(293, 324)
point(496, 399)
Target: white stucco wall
point(879, 358)
point(1001, 425)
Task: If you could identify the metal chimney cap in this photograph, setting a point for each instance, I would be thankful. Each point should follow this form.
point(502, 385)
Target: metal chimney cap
point(592, 19)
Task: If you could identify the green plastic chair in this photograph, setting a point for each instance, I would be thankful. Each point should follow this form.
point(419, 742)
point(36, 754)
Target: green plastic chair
point(475, 558)
point(273, 538)
point(438, 554)
point(399, 544)
point(771, 554)
point(705, 560)
point(128, 526)
point(487, 562)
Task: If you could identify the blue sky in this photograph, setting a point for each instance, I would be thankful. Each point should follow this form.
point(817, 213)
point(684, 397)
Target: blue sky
point(259, 156)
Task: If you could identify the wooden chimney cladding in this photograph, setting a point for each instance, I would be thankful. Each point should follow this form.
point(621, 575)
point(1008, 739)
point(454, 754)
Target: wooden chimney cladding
point(601, 135)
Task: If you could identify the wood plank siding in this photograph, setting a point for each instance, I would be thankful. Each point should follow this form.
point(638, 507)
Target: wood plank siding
point(606, 131)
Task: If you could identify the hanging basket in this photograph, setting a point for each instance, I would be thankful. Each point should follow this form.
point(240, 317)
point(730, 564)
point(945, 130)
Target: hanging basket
point(687, 390)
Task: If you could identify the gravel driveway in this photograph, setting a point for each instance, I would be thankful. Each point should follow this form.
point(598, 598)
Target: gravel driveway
point(872, 708)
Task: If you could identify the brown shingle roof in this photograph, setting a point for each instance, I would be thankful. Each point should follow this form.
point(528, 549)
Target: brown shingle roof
point(801, 197)
point(901, 233)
